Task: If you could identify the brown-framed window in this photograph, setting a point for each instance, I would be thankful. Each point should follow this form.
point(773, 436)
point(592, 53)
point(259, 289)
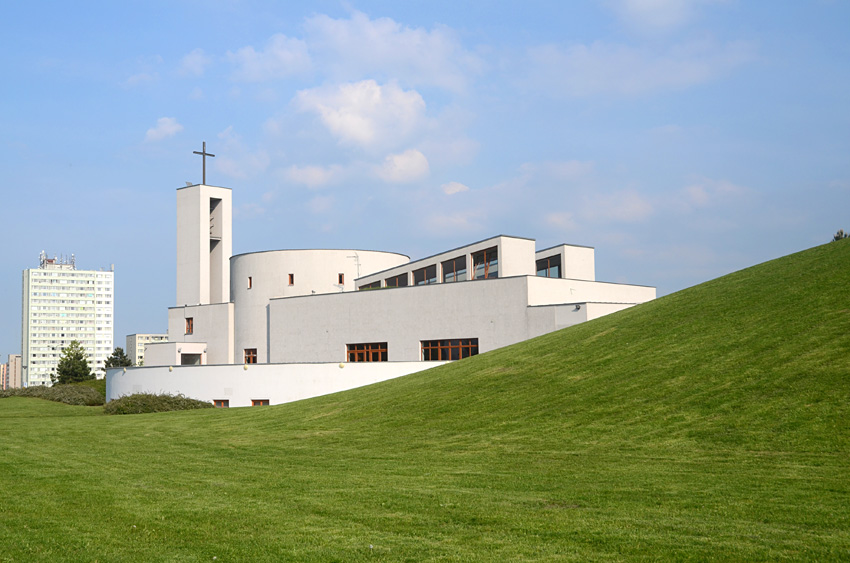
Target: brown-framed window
point(373, 285)
point(485, 264)
point(222, 403)
point(341, 278)
point(397, 281)
point(454, 269)
point(250, 282)
point(371, 352)
point(425, 276)
point(250, 355)
point(291, 279)
point(259, 402)
point(446, 350)
point(549, 267)
point(190, 325)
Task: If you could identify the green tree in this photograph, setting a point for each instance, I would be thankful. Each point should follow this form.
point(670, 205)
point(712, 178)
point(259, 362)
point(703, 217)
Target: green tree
point(118, 359)
point(73, 365)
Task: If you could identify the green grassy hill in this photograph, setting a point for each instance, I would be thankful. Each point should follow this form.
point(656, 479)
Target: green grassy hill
point(710, 424)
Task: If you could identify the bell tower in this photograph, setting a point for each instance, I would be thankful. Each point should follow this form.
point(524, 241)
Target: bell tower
point(204, 244)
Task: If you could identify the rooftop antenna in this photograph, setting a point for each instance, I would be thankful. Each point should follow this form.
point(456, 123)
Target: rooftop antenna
point(356, 261)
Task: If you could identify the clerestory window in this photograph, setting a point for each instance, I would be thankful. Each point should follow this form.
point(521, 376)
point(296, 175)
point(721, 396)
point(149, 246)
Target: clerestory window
point(485, 264)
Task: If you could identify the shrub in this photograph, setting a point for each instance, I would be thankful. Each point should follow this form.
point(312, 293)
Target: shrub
point(148, 402)
point(98, 385)
point(68, 394)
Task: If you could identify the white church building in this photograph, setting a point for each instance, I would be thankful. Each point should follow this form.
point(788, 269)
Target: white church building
point(276, 326)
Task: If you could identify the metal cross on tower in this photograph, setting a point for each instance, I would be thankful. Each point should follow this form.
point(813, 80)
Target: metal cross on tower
point(204, 154)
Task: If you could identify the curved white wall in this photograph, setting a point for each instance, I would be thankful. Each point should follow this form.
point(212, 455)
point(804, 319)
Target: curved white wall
point(274, 382)
point(314, 271)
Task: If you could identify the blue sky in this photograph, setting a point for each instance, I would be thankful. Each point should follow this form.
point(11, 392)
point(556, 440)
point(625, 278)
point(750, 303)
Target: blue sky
point(683, 139)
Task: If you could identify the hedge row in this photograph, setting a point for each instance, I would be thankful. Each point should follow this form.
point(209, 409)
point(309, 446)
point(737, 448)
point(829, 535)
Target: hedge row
point(146, 402)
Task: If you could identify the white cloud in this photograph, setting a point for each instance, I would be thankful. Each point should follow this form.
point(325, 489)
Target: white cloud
point(559, 170)
point(657, 15)
point(365, 113)
point(604, 68)
point(283, 56)
point(194, 63)
point(165, 127)
point(234, 159)
point(359, 46)
point(408, 166)
point(454, 188)
point(313, 176)
point(707, 192)
point(141, 78)
point(321, 204)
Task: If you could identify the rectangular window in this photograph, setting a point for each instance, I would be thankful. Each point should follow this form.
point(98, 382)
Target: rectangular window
point(341, 279)
point(250, 355)
point(425, 276)
point(485, 264)
point(549, 267)
point(291, 279)
point(190, 325)
point(454, 269)
point(250, 282)
point(222, 403)
point(447, 350)
point(373, 285)
point(259, 402)
point(397, 281)
point(372, 352)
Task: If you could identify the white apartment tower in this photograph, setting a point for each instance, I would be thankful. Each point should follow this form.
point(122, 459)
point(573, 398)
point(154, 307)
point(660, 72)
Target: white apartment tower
point(62, 304)
point(136, 346)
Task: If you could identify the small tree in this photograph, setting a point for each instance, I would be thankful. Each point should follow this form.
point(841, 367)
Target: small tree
point(118, 359)
point(73, 365)
point(840, 235)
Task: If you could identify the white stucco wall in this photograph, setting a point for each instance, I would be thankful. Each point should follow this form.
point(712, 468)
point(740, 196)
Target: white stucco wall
point(203, 276)
point(314, 271)
point(318, 328)
point(277, 383)
point(546, 291)
point(496, 312)
point(169, 353)
point(577, 262)
point(213, 325)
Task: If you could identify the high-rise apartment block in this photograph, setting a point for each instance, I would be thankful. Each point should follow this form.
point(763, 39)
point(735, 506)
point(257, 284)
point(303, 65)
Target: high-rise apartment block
point(62, 304)
point(136, 346)
point(13, 372)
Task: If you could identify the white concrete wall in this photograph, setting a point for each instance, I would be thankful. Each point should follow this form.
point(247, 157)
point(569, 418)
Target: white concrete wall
point(318, 328)
point(547, 291)
point(169, 353)
point(314, 271)
point(516, 257)
point(577, 262)
point(277, 383)
point(498, 312)
point(549, 318)
point(203, 276)
point(213, 325)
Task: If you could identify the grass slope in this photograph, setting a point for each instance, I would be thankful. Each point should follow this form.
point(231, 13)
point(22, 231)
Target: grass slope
point(709, 424)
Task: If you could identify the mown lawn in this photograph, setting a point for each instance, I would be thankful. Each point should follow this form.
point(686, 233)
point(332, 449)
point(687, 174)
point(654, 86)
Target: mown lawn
point(709, 424)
